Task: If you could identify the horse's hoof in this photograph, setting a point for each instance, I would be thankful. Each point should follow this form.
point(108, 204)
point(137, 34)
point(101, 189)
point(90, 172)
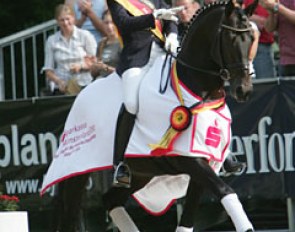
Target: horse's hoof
point(232, 167)
point(122, 177)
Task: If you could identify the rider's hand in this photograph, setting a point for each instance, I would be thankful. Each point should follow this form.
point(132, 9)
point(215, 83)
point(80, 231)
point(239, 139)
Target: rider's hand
point(166, 14)
point(171, 43)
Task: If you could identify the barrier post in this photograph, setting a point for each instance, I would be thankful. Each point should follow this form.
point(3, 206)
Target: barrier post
point(2, 87)
point(291, 213)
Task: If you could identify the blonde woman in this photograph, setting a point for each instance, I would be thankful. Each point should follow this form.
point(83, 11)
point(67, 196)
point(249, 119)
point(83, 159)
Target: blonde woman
point(65, 54)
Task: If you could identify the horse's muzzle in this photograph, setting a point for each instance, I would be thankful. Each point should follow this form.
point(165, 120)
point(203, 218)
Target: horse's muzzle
point(243, 92)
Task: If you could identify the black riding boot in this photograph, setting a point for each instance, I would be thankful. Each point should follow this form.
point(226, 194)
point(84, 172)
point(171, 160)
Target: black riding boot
point(125, 123)
point(231, 165)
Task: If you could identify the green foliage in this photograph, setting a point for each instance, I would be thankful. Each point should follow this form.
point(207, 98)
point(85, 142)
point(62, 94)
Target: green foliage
point(18, 15)
point(8, 203)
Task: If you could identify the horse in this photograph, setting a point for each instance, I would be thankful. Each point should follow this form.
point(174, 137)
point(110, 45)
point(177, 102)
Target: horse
point(223, 31)
point(213, 50)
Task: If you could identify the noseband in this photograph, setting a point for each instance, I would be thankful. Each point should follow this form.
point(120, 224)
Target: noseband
point(224, 72)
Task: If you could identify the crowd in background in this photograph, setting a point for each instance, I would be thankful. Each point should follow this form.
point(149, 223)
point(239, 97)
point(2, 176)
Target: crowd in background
point(275, 56)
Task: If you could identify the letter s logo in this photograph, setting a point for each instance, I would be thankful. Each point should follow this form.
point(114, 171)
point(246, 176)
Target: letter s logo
point(213, 136)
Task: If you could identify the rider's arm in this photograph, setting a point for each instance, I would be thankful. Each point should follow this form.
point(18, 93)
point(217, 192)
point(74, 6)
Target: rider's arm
point(168, 25)
point(128, 23)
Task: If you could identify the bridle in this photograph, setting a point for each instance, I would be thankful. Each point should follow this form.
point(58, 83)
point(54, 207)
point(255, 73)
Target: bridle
point(224, 72)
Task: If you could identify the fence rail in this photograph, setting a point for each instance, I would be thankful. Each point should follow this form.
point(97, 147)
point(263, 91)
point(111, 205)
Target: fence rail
point(21, 59)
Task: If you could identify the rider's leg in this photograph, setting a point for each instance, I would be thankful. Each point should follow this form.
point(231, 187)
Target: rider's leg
point(124, 129)
point(131, 79)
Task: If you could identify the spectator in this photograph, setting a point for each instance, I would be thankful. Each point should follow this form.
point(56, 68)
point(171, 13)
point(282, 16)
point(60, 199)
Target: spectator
point(207, 2)
point(282, 18)
point(108, 50)
point(65, 53)
point(264, 61)
point(89, 16)
point(254, 48)
point(190, 8)
point(141, 46)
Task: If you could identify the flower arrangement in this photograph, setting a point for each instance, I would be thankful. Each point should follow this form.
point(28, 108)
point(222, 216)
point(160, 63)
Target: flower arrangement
point(8, 203)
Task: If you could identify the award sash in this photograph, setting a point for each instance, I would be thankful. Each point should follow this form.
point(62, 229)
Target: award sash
point(138, 8)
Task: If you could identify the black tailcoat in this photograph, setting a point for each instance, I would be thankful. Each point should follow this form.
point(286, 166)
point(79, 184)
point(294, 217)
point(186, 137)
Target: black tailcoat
point(136, 34)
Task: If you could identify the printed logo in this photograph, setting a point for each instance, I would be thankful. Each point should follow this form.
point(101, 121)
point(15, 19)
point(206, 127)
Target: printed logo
point(213, 137)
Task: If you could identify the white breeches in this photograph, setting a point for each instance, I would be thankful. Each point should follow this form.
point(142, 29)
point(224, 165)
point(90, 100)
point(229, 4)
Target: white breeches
point(132, 77)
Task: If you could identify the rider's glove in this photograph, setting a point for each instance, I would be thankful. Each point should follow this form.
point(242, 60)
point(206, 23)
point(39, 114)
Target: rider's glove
point(166, 14)
point(171, 43)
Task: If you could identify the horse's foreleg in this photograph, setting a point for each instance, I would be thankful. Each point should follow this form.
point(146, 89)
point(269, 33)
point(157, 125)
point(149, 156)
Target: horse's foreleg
point(235, 210)
point(199, 169)
point(228, 198)
point(190, 208)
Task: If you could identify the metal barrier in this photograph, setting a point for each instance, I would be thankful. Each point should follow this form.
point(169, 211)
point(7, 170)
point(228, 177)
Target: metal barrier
point(21, 59)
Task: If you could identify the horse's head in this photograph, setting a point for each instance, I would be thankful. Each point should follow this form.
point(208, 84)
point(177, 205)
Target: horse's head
point(216, 47)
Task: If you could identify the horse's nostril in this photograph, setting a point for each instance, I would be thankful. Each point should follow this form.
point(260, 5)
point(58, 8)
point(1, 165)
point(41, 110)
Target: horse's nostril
point(243, 93)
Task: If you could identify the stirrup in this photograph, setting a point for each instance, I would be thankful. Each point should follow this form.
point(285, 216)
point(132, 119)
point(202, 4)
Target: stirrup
point(122, 176)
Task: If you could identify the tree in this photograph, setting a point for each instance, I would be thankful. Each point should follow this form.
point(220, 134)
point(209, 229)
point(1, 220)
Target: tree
point(18, 15)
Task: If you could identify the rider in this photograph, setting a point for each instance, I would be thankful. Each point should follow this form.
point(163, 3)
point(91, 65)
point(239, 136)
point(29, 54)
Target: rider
point(143, 36)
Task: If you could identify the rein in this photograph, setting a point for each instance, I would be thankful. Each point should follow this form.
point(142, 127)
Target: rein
point(236, 29)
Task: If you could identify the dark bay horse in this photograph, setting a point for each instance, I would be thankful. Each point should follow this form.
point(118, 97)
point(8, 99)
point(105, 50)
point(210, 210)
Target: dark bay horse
point(214, 50)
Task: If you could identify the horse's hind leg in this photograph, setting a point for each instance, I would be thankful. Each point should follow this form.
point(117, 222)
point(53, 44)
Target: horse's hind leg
point(69, 204)
point(114, 201)
point(199, 169)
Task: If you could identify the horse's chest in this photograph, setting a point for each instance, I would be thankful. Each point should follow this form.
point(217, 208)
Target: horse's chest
point(207, 136)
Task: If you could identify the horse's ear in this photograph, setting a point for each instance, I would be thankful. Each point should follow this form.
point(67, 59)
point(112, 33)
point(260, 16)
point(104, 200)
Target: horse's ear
point(249, 10)
point(230, 6)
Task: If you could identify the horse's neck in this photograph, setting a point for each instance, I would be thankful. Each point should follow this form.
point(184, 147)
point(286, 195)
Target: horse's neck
point(203, 85)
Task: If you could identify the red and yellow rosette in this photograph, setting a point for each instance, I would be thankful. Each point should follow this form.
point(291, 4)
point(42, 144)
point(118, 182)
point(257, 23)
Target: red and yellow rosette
point(180, 118)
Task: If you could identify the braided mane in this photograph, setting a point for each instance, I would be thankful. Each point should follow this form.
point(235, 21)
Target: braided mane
point(199, 12)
